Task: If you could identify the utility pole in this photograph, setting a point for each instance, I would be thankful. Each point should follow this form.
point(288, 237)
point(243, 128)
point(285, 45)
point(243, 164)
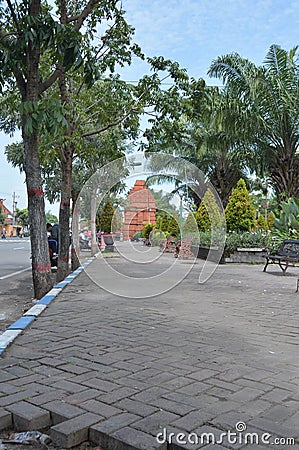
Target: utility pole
point(14, 208)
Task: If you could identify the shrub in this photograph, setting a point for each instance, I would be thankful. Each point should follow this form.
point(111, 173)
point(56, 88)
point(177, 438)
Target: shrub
point(270, 220)
point(209, 214)
point(190, 224)
point(262, 223)
point(147, 229)
point(240, 213)
point(105, 221)
point(173, 226)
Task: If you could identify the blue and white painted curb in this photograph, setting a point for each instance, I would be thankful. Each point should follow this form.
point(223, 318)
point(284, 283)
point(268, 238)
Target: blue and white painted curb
point(13, 331)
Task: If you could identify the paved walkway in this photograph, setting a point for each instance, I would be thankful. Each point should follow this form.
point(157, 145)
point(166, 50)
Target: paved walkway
point(197, 359)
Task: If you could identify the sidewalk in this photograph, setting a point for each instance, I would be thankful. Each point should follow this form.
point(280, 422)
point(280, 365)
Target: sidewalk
point(199, 358)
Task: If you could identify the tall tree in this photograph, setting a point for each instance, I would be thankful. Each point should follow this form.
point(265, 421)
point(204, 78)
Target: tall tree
point(27, 32)
point(268, 112)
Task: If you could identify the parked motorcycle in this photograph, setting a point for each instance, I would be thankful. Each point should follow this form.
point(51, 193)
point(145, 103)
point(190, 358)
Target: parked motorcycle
point(85, 243)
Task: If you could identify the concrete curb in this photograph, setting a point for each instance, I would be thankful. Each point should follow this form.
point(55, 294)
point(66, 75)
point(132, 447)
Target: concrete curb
point(16, 328)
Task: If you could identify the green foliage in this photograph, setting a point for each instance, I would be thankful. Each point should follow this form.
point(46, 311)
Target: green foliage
point(286, 226)
point(202, 218)
point(190, 224)
point(240, 213)
point(106, 217)
point(256, 239)
point(270, 220)
point(158, 222)
point(173, 225)
point(209, 214)
point(51, 218)
point(262, 223)
point(2, 216)
point(23, 218)
point(147, 229)
point(266, 113)
point(165, 223)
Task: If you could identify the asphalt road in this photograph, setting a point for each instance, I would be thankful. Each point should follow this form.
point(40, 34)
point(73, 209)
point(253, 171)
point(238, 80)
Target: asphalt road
point(14, 257)
point(15, 280)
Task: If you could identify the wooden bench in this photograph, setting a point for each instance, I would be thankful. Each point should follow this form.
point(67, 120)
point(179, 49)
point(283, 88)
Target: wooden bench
point(169, 245)
point(185, 249)
point(287, 255)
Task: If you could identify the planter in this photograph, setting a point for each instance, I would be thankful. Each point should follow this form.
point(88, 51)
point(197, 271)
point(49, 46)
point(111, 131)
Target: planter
point(202, 252)
point(108, 239)
point(247, 255)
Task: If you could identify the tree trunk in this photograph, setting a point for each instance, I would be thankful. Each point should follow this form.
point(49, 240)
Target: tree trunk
point(93, 212)
point(75, 234)
point(41, 267)
point(64, 213)
point(284, 175)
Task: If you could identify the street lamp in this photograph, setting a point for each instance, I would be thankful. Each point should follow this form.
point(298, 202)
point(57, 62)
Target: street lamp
point(181, 214)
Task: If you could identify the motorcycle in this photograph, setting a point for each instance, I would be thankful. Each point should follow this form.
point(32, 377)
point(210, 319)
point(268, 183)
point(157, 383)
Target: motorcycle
point(85, 243)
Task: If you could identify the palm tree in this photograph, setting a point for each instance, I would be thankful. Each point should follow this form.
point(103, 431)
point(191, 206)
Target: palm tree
point(268, 104)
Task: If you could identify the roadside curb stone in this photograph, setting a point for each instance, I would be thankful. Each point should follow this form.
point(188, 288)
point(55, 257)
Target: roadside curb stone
point(5, 419)
point(16, 328)
point(74, 431)
point(28, 417)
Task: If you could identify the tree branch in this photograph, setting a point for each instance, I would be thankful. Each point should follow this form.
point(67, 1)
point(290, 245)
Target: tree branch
point(14, 16)
point(51, 80)
point(79, 18)
point(110, 125)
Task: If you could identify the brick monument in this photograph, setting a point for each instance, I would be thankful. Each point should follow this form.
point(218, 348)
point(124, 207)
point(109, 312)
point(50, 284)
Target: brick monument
point(140, 208)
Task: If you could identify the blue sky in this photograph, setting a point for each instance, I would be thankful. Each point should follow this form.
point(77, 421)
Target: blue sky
point(192, 32)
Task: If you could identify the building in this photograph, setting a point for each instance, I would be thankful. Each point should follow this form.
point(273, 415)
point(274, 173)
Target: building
point(140, 208)
point(10, 227)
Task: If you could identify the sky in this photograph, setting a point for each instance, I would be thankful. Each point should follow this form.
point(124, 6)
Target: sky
point(193, 33)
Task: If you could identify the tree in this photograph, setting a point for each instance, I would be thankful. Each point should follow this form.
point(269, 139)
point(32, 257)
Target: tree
point(22, 217)
point(197, 131)
point(2, 216)
point(51, 218)
point(239, 212)
point(268, 105)
point(106, 217)
point(173, 225)
point(28, 32)
point(190, 224)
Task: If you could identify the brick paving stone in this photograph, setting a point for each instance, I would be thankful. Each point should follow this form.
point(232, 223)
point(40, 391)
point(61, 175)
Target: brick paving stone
point(273, 427)
point(107, 427)
point(61, 411)
point(153, 423)
point(68, 386)
point(149, 394)
point(192, 420)
point(193, 388)
point(276, 395)
point(100, 408)
point(135, 407)
point(40, 400)
point(132, 439)
point(29, 417)
point(83, 396)
point(5, 419)
point(245, 395)
point(74, 431)
point(117, 394)
point(203, 374)
point(171, 406)
point(97, 383)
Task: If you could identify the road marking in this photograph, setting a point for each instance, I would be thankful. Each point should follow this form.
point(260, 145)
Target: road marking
point(18, 248)
point(14, 273)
